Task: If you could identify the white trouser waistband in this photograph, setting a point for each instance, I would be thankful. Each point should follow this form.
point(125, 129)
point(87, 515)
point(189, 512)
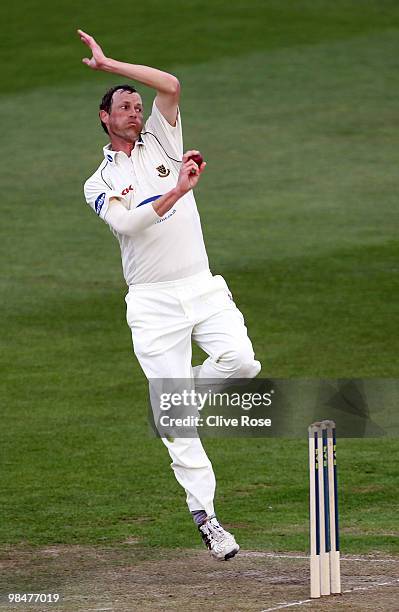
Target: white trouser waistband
point(201, 276)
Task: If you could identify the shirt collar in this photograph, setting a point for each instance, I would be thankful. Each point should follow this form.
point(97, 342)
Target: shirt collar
point(111, 155)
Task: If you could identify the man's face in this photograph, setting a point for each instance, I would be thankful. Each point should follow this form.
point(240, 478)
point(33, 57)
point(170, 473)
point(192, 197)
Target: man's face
point(125, 119)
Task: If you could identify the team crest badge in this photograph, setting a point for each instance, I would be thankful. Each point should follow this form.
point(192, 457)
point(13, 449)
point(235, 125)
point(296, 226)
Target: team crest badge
point(163, 171)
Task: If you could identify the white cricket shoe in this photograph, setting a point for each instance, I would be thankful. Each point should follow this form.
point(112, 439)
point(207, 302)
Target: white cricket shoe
point(221, 543)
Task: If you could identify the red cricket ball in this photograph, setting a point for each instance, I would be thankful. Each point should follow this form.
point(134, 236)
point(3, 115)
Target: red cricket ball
point(197, 157)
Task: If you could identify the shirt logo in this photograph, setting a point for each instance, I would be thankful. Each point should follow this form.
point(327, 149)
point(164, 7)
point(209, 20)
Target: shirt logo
point(167, 216)
point(126, 190)
point(163, 171)
point(99, 203)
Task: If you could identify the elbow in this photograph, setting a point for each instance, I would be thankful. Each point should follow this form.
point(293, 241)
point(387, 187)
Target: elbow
point(127, 232)
point(125, 228)
point(174, 86)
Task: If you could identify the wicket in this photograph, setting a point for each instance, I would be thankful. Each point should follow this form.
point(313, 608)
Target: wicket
point(325, 578)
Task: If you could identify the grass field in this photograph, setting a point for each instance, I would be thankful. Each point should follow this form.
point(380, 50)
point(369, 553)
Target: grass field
point(294, 106)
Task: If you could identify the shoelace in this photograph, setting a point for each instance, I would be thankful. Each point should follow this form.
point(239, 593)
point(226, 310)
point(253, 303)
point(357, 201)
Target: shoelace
point(215, 531)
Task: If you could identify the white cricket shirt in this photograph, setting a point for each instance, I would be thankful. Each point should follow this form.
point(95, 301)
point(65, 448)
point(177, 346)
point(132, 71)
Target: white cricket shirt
point(172, 247)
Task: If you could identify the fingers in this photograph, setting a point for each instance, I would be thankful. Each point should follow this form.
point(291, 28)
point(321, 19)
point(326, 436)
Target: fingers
point(196, 172)
point(190, 171)
point(198, 169)
point(83, 34)
point(188, 154)
point(86, 38)
point(191, 167)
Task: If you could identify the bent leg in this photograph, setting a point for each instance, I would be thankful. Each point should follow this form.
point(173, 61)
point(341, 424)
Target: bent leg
point(224, 337)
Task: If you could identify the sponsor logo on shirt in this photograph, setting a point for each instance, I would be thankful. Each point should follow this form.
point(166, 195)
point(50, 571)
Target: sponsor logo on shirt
point(167, 216)
point(99, 203)
point(126, 190)
point(163, 171)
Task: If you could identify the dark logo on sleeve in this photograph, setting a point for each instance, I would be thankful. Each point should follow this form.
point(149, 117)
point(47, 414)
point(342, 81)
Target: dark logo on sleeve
point(163, 171)
point(99, 203)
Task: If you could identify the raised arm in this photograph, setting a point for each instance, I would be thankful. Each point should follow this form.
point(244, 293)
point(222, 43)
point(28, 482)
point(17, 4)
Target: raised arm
point(166, 85)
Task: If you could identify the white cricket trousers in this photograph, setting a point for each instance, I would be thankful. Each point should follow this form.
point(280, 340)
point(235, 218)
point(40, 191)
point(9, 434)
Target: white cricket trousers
point(164, 318)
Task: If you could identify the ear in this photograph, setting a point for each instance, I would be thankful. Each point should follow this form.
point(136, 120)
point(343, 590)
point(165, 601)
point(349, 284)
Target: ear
point(104, 116)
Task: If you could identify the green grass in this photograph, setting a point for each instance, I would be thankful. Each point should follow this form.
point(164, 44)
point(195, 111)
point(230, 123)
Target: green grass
point(36, 39)
point(294, 107)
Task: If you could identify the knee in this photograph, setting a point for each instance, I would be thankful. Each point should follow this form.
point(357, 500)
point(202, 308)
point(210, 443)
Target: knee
point(249, 369)
point(240, 362)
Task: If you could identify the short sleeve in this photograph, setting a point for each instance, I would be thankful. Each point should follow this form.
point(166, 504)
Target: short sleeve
point(170, 137)
point(97, 195)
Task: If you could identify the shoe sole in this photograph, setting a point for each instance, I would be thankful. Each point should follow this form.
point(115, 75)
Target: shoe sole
point(231, 554)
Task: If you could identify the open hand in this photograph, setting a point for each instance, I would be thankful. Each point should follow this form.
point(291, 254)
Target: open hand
point(98, 59)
